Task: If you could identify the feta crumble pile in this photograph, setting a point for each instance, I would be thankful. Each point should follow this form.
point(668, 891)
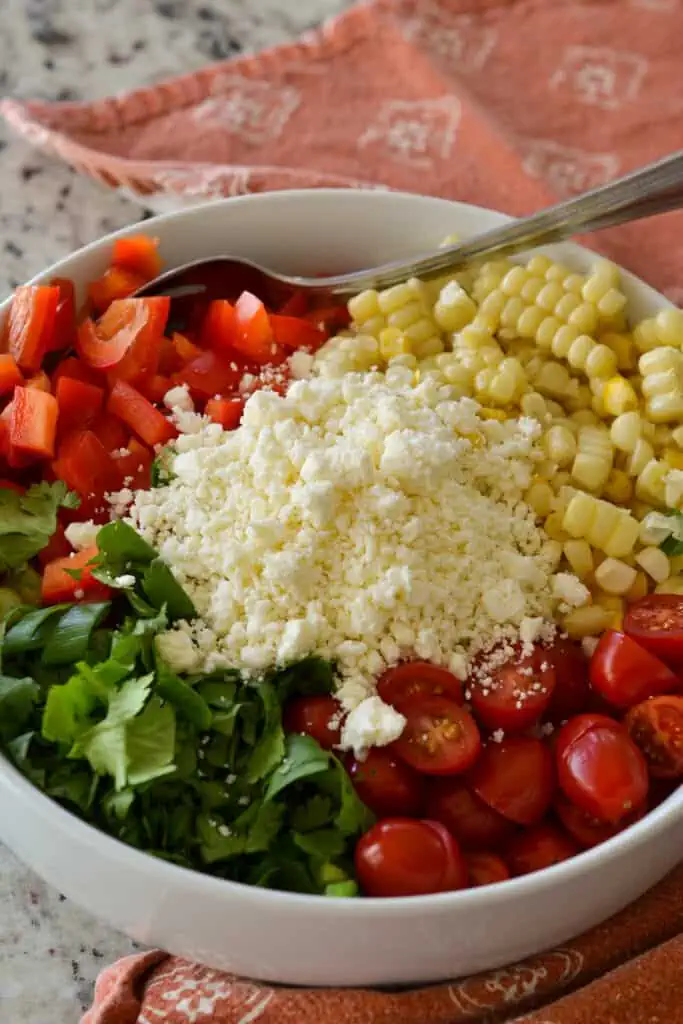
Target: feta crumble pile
point(361, 518)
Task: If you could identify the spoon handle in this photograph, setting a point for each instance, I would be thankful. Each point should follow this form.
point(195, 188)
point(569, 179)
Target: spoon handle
point(656, 188)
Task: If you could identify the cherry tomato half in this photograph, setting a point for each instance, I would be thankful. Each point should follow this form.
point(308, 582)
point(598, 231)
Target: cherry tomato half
point(571, 692)
point(656, 727)
point(415, 679)
point(486, 868)
point(318, 717)
point(514, 695)
point(386, 784)
point(473, 823)
point(515, 778)
point(588, 831)
point(440, 737)
point(624, 673)
point(656, 622)
point(539, 847)
point(600, 769)
point(405, 857)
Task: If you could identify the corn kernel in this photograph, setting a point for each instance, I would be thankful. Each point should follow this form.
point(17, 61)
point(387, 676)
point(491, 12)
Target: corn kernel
point(639, 588)
point(487, 413)
point(393, 342)
point(655, 563)
point(539, 265)
point(584, 418)
point(540, 496)
point(614, 576)
point(549, 296)
point(406, 315)
point(579, 516)
point(547, 330)
point(591, 620)
point(566, 306)
point(600, 362)
point(619, 397)
point(666, 408)
point(621, 541)
point(531, 289)
point(580, 557)
point(514, 280)
point(556, 272)
point(585, 318)
point(640, 457)
point(625, 431)
point(529, 322)
point(533, 404)
point(670, 327)
point(421, 330)
point(373, 326)
point(673, 458)
point(674, 585)
point(574, 283)
point(429, 347)
point(364, 306)
point(618, 488)
point(552, 379)
point(646, 336)
point(560, 445)
point(623, 348)
point(677, 436)
point(611, 303)
point(399, 295)
point(553, 526)
point(650, 482)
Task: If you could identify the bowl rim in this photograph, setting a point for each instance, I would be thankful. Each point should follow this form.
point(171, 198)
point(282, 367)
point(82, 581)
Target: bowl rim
point(52, 814)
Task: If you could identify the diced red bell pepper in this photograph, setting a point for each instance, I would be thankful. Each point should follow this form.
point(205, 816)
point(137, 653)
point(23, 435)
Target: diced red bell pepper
point(254, 337)
point(294, 332)
point(4, 430)
point(59, 585)
point(10, 374)
point(330, 318)
point(126, 341)
point(110, 431)
point(64, 333)
point(210, 374)
point(139, 414)
point(86, 466)
point(57, 547)
point(79, 403)
point(296, 305)
point(138, 254)
point(31, 324)
point(135, 467)
point(10, 485)
point(33, 423)
point(219, 329)
point(78, 370)
point(185, 349)
point(115, 283)
point(40, 381)
point(226, 411)
point(169, 361)
point(156, 387)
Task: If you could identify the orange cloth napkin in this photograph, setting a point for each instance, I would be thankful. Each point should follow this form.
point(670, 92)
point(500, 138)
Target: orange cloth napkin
point(626, 971)
point(505, 103)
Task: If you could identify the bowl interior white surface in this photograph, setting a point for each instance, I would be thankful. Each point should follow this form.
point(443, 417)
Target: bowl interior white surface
point(311, 940)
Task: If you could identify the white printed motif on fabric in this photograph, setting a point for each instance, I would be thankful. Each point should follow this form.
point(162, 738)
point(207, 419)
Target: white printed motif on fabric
point(512, 985)
point(253, 110)
point(599, 77)
point(195, 1000)
point(416, 132)
point(567, 170)
point(458, 39)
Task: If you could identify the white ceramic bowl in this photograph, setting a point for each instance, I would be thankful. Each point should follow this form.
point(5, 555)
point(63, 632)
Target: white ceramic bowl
point(302, 939)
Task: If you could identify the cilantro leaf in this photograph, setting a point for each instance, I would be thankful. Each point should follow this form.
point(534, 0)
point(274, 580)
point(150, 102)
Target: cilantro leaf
point(150, 743)
point(270, 748)
point(120, 545)
point(303, 758)
point(70, 639)
point(18, 698)
point(27, 521)
point(182, 696)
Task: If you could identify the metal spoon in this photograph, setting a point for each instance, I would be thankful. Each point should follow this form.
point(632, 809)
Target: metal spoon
point(656, 188)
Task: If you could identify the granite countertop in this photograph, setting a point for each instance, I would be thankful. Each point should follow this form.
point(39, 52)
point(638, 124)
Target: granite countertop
point(51, 951)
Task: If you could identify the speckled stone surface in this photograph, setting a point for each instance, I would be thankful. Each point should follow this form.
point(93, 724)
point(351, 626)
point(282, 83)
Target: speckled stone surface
point(50, 951)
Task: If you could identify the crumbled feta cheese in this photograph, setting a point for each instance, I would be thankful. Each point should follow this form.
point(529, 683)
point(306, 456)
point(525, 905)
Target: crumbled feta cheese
point(371, 724)
point(179, 398)
point(82, 535)
point(300, 364)
point(570, 590)
point(126, 580)
point(354, 517)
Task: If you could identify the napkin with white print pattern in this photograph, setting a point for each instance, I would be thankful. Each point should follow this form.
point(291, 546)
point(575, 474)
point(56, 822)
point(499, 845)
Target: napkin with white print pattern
point(626, 971)
point(503, 103)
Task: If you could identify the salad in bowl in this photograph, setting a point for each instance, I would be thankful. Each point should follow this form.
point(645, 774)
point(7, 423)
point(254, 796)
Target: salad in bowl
point(378, 600)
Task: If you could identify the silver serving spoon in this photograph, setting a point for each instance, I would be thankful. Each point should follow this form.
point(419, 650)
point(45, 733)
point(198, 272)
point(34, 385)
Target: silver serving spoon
point(656, 188)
